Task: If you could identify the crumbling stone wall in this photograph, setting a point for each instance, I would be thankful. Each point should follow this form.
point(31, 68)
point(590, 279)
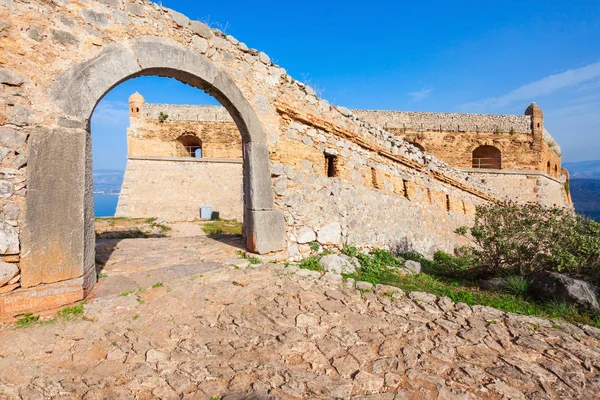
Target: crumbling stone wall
point(69, 54)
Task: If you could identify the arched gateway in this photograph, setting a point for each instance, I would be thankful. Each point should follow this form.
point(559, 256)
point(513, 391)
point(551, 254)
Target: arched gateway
point(58, 235)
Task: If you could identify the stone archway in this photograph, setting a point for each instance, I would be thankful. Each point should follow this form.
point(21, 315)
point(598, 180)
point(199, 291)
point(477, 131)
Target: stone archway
point(58, 234)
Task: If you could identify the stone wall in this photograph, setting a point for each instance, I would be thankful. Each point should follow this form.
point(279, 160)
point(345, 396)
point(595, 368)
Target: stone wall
point(175, 189)
point(448, 122)
point(452, 137)
point(148, 136)
point(523, 187)
point(177, 112)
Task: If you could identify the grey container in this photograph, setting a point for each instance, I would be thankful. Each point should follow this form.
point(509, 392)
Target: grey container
point(205, 212)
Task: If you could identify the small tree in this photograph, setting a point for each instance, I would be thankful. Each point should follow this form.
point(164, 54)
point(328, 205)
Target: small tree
point(525, 238)
point(162, 117)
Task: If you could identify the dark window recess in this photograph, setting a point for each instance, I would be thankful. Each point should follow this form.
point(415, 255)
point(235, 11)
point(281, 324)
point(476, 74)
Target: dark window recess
point(374, 178)
point(192, 144)
point(331, 165)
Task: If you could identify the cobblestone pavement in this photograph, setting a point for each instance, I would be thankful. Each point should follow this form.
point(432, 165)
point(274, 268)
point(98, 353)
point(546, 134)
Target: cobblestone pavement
point(266, 332)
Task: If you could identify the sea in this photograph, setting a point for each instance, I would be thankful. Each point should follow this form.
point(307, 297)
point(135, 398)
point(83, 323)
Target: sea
point(105, 205)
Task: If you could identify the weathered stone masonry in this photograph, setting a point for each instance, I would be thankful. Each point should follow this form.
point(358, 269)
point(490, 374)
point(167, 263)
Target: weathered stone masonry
point(165, 177)
point(310, 170)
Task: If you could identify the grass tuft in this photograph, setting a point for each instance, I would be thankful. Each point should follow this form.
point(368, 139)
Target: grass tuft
point(222, 227)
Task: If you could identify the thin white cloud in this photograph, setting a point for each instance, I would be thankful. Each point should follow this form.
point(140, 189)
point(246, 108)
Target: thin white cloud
point(542, 87)
point(111, 113)
point(420, 94)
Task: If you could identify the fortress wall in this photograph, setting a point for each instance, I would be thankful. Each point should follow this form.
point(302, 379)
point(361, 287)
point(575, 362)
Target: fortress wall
point(374, 200)
point(429, 121)
point(149, 137)
point(176, 189)
point(456, 148)
point(178, 112)
point(523, 187)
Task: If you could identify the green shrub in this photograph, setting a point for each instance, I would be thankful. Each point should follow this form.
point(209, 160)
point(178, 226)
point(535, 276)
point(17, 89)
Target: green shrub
point(314, 246)
point(378, 267)
point(521, 239)
point(350, 251)
point(312, 263)
point(517, 285)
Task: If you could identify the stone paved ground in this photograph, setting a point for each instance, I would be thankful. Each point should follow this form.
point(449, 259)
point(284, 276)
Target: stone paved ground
point(268, 333)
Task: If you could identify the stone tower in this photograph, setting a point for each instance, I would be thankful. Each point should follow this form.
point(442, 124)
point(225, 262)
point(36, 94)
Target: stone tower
point(537, 125)
point(136, 101)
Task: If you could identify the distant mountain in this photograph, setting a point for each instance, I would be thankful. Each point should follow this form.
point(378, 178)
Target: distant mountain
point(586, 197)
point(108, 181)
point(584, 169)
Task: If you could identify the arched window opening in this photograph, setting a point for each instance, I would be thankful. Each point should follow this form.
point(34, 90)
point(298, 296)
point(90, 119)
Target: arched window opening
point(487, 157)
point(418, 146)
point(555, 170)
point(548, 168)
point(192, 145)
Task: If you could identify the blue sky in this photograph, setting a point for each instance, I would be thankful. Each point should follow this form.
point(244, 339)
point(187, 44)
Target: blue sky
point(456, 56)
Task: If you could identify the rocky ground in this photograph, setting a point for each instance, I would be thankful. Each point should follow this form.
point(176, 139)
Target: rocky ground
point(216, 330)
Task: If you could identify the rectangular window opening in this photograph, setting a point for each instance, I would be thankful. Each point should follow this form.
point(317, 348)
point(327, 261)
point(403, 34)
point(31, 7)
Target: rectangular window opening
point(447, 202)
point(331, 166)
point(374, 180)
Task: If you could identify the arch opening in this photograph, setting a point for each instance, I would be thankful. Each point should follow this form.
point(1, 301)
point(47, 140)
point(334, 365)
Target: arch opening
point(59, 208)
point(487, 157)
point(192, 145)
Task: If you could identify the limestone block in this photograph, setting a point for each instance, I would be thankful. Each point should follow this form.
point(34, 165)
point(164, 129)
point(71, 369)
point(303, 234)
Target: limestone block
point(330, 234)
point(306, 235)
point(336, 264)
point(6, 189)
point(135, 9)
point(63, 37)
point(97, 19)
point(43, 297)
point(201, 29)
point(7, 272)
point(183, 64)
point(6, 3)
point(180, 19)
point(258, 193)
point(265, 231)
point(78, 89)
point(11, 78)
point(55, 241)
point(9, 239)
point(362, 285)
point(413, 266)
point(111, 3)
point(264, 58)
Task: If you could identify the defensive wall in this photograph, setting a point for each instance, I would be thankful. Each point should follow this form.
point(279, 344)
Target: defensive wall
point(180, 159)
point(311, 171)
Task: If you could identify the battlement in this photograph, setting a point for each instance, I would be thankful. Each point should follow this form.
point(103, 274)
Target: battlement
point(453, 122)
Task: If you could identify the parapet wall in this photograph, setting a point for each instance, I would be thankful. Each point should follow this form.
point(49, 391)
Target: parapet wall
point(525, 186)
point(451, 122)
point(186, 112)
